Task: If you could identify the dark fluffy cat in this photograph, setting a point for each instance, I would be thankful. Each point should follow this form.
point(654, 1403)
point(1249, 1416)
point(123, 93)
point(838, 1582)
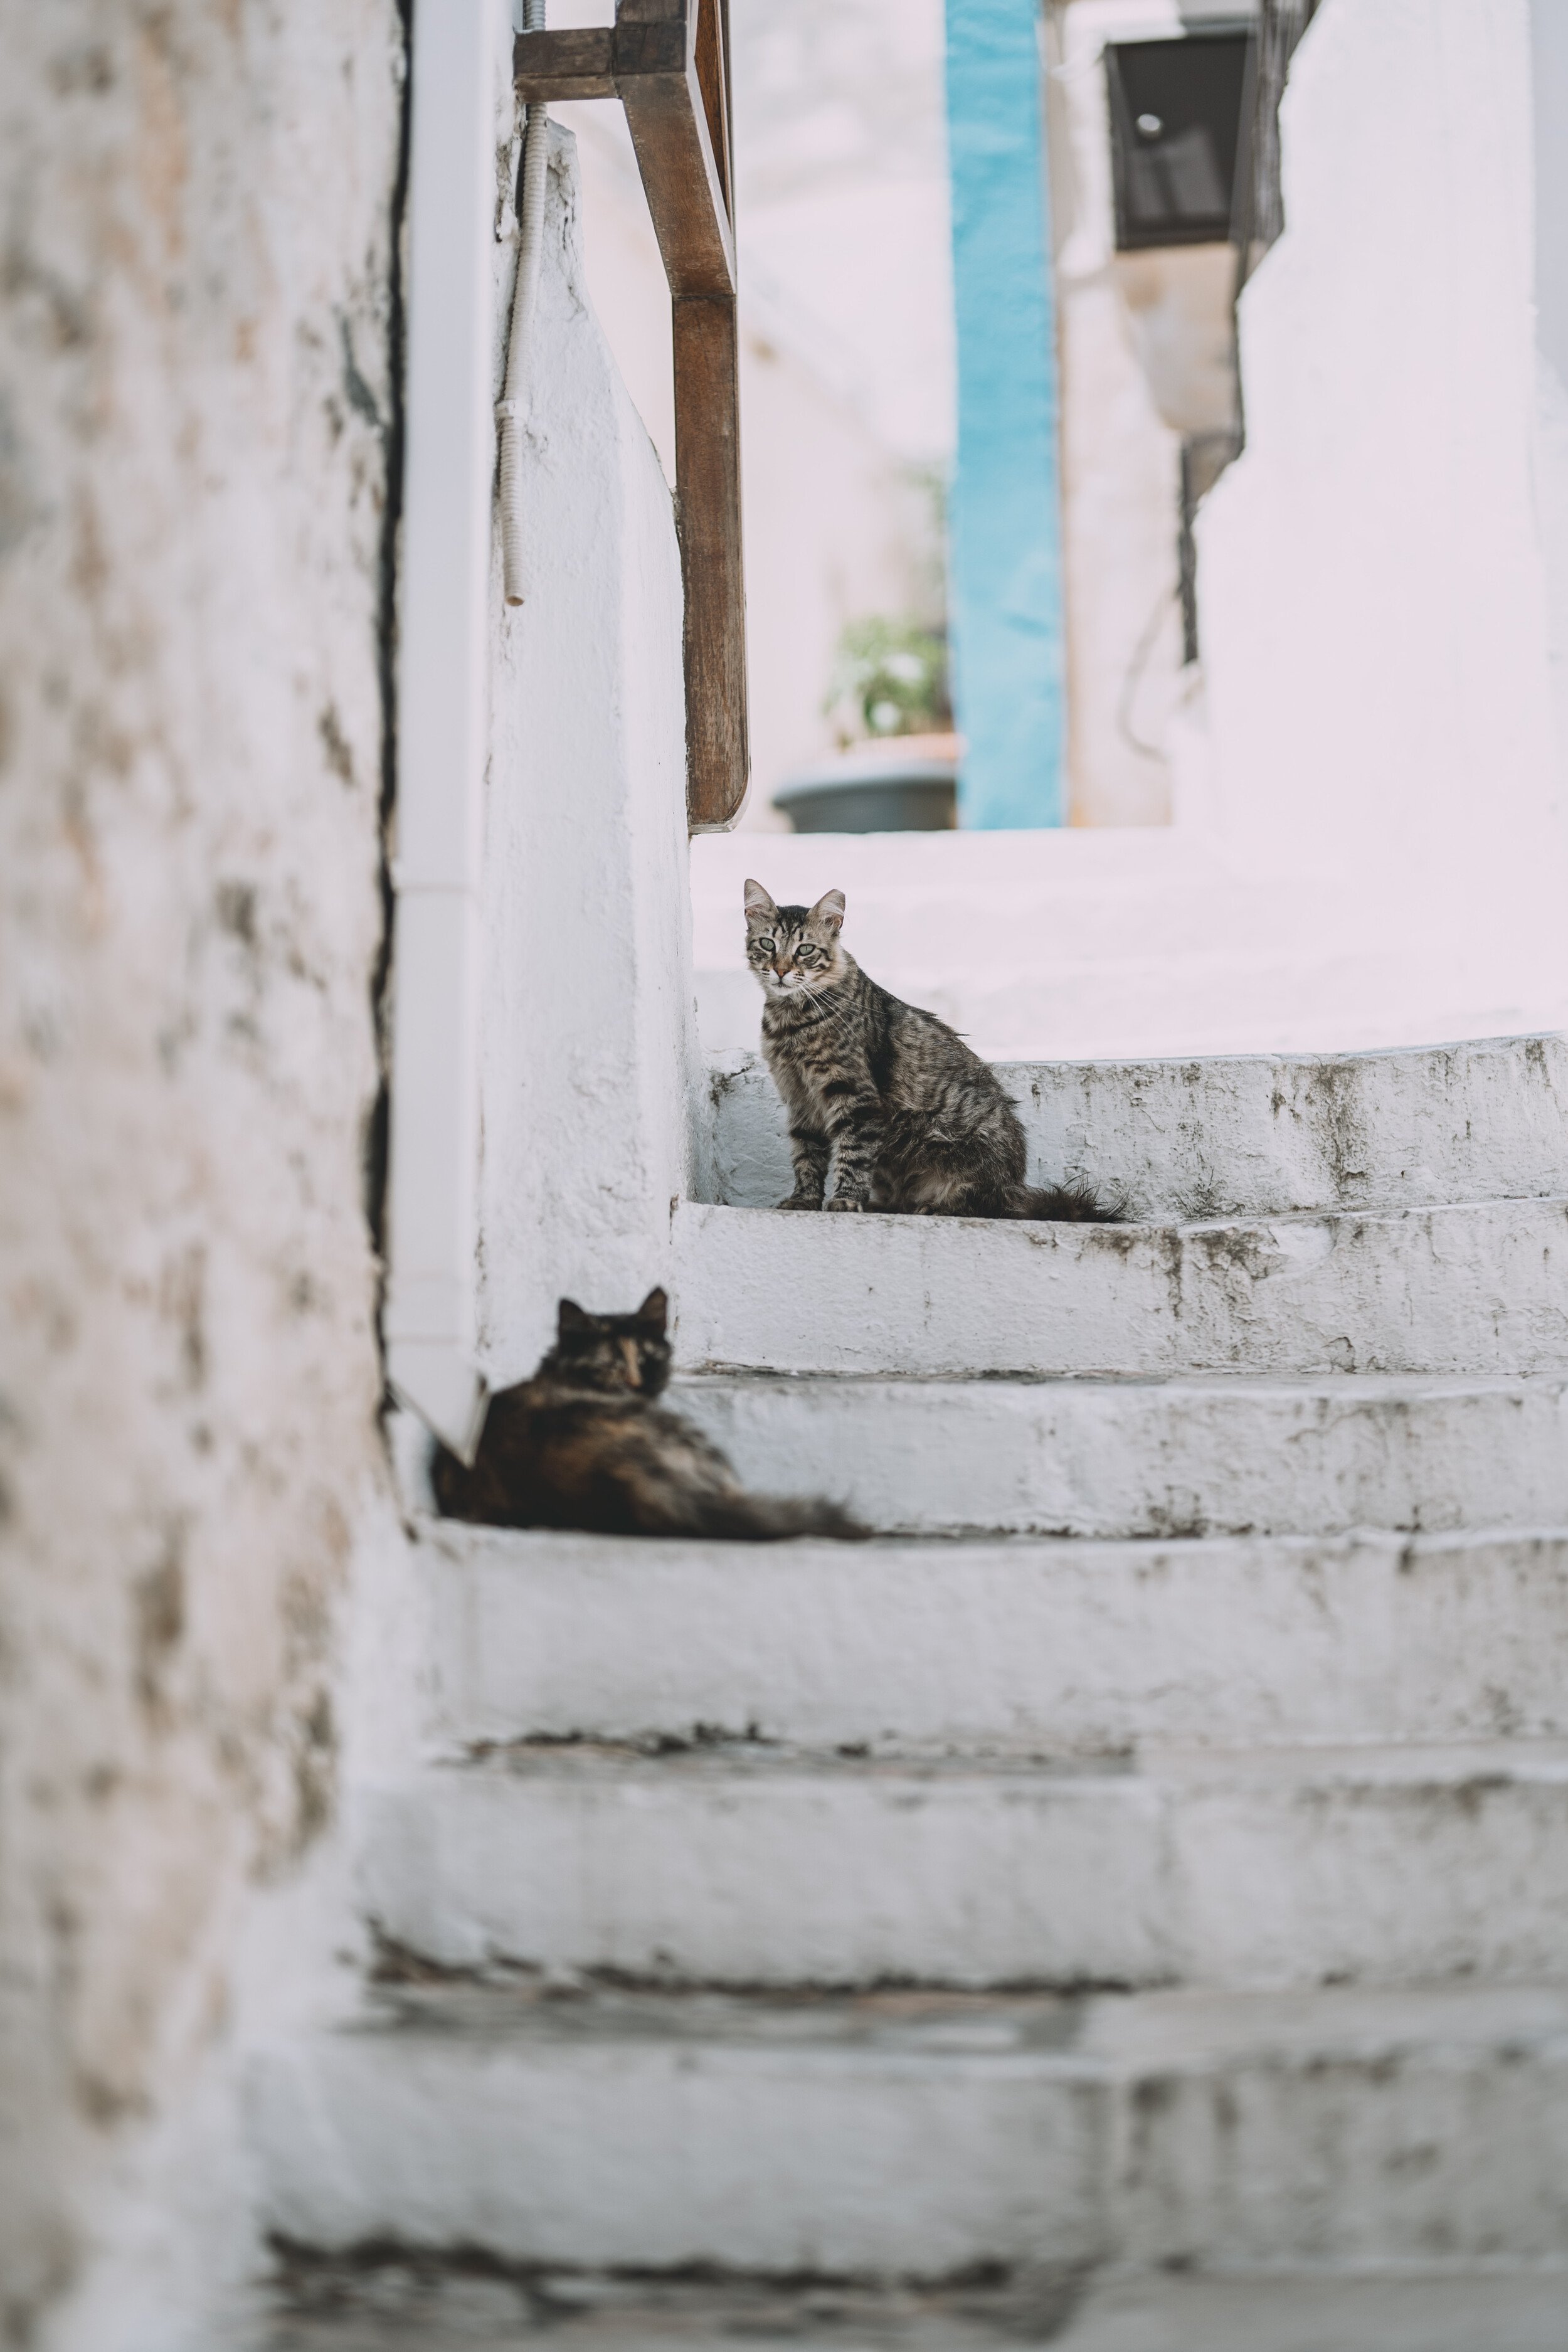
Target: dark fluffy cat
point(583, 1444)
point(910, 1120)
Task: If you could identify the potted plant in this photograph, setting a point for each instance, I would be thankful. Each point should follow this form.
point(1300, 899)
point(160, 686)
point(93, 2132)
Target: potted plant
point(901, 776)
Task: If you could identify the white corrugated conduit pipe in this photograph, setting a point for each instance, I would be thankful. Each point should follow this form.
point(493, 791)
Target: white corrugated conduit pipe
point(512, 408)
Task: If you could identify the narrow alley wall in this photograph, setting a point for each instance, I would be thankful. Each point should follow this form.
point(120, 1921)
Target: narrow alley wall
point(1374, 598)
point(590, 1076)
point(196, 433)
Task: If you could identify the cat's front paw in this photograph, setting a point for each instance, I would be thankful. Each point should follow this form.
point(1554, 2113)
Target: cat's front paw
point(801, 1200)
point(847, 1206)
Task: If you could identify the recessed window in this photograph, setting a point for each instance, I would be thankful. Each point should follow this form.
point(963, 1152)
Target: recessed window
point(1175, 134)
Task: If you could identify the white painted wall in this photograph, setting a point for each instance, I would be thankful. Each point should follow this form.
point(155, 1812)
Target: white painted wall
point(1375, 603)
point(460, 141)
point(589, 1075)
point(1548, 60)
point(1121, 460)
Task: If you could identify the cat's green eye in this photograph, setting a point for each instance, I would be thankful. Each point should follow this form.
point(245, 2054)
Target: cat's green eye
point(766, 946)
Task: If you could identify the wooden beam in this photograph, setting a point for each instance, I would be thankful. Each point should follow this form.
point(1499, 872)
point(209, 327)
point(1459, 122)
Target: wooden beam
point(661, 89)
point(713, 80)
point(667, 61)
point(708, 509)
point(569, 64)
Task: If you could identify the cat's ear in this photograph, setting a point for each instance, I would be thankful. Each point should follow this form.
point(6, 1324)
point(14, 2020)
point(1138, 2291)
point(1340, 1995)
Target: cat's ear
point(829, 910)
point(573, 1317)
point(758, 901)
point(655, 1311)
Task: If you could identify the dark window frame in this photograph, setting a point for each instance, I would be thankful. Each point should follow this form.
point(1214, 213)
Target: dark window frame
point(1212, 137)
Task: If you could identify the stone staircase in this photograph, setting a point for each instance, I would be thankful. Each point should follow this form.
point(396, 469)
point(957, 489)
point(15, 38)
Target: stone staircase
point(1126, 1907)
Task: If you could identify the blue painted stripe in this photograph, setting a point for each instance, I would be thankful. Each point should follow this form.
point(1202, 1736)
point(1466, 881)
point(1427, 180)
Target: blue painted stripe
point(1006, 516)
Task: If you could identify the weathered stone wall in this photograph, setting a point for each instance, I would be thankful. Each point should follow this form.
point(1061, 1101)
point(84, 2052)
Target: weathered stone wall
point(197, 205)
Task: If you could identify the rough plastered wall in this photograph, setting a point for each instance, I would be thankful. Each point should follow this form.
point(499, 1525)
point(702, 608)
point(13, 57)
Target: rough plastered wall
point(589, 1064)
point(1373, 595)
point(196, 418)
point(1549, 78)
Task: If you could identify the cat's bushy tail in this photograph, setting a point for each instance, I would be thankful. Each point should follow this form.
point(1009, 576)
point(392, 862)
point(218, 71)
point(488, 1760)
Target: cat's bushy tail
point(772, 1519)
point(1065, 1204)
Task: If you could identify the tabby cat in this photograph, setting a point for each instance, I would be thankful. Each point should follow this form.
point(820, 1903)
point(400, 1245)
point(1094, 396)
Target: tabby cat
point(911, 1121)
point(583, 1444)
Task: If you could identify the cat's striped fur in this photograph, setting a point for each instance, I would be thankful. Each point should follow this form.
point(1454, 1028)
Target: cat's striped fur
point(907, 1116)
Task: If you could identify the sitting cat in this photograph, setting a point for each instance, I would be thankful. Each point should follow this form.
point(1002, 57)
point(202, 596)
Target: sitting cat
point(583, 1444)
point(911, 1120)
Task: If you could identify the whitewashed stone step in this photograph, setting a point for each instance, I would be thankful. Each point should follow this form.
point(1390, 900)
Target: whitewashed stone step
point(1477, 1287)
point(1242, 1135)
point(999, 1648)
point(898, 2134)
point(747, 1865)
point(1108, 1457)
point(1438, 2313)
point(394, 2304)
point(387, 2300)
